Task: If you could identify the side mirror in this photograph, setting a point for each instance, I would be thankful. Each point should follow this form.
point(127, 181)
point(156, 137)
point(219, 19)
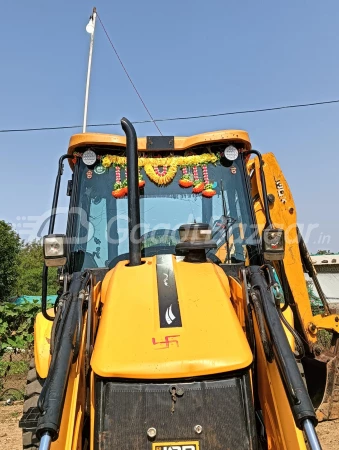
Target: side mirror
point(273, 243)
point(55, 251)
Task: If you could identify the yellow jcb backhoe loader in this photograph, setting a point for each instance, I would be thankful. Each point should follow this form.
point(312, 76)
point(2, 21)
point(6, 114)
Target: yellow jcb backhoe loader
point(183, 320)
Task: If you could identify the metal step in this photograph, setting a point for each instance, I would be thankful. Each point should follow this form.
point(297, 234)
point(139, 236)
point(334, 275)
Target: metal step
point(29, 420)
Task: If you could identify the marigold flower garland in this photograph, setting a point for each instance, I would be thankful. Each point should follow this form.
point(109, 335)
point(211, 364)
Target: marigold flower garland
point(162, 177)
point(169, 164)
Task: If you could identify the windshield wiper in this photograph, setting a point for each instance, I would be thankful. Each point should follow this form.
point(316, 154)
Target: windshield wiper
point(227, 225)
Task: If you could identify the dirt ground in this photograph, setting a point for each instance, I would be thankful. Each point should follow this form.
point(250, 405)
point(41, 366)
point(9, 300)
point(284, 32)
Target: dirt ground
point(328, 433)
point(10, 433)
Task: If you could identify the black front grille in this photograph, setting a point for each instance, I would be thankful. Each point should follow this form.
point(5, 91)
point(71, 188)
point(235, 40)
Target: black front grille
point(125, 411)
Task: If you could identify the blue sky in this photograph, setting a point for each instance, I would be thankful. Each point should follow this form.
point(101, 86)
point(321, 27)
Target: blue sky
point(186, 58)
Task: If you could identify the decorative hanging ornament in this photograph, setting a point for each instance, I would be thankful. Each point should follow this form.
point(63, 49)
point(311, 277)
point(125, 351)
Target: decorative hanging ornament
point(89, 174)
point(233, 170)
point(186, 179)
point(99, 169)
point(125, 183)
point(119, 190)
point(117, 174)
point(75, 157)
point(198, 184)
point(163, 177)
point(208, 191)
point(106, 162)
point(169, 165)
point(141, 181)
point(175, 161)
point(120, 187)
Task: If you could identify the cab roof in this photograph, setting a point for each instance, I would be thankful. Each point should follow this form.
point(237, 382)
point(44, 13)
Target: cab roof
point(180, 142)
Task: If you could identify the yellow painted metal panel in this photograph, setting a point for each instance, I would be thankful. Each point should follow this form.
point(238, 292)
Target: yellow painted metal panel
point(42, 335)
point(211, 339)
point(180, 142)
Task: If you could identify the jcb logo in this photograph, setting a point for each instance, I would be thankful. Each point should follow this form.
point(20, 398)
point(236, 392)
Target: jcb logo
point(188, 445)
point(178, 447)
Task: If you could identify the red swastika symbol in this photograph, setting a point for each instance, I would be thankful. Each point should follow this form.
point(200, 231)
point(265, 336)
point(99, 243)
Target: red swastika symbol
point(168, 340)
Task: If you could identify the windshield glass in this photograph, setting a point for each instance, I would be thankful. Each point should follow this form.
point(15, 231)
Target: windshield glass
point(213, 193)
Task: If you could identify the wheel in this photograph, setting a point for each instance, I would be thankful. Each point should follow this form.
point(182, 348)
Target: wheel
point(33, 388)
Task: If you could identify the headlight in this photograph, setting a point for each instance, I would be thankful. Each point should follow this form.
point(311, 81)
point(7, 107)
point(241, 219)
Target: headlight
point(231, 153)
point(55, 250)
point(273, 241)
point(89, 158)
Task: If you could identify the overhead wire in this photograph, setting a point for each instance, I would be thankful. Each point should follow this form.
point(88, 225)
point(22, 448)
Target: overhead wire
point(128, 76)
point(169, 119)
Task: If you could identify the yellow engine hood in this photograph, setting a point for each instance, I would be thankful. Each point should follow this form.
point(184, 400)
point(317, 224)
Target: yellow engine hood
point(131, 344)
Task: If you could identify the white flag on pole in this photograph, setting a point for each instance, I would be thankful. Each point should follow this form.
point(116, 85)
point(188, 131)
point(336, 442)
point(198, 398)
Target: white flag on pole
point(90, 26)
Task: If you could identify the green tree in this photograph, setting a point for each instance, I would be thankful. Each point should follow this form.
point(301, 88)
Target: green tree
point(324, 252)
point(31, 262)
point(9, 251)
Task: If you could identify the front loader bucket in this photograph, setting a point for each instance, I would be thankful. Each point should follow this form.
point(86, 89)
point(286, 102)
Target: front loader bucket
point(322, 378)
point(329, 406)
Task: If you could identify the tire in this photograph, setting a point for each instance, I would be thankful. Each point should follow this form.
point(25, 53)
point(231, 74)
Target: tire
point(33, 388)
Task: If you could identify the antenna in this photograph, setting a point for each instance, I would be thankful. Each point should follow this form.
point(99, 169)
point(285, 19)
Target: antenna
point(90, 28)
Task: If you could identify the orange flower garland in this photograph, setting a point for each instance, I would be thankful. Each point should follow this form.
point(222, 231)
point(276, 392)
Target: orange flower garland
point(185, 181)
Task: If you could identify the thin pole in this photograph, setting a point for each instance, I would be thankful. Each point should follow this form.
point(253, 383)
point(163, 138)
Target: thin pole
point(91, 26)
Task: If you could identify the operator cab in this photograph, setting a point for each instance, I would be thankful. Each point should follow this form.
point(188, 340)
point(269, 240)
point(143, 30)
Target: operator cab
point(182, 180)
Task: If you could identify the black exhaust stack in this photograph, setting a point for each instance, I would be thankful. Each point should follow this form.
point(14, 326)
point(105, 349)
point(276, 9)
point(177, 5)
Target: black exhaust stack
point(133, 193)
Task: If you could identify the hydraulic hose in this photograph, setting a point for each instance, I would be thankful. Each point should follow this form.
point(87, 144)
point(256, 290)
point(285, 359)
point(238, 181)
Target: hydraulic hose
point(56, 334)
point(299, 400)
point(59, 315)
point(53, 395)
point(257, 306)
point(280, 294)
point(285, 286)
point(298, 342)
